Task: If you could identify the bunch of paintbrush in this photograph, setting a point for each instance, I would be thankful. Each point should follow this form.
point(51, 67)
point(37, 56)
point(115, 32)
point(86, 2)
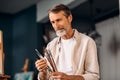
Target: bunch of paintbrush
point(49, 57)
point(40, 56)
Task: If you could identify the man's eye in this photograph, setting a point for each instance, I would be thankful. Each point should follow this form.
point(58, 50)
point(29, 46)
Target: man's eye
point(52, 22)
point(58, 20)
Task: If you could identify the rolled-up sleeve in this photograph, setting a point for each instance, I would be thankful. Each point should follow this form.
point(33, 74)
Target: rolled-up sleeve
point(91, 62)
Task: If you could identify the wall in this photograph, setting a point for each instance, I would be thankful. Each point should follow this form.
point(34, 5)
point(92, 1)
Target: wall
point(24, 39)
point(109, 54)
point(44, 5)
point(20, 40)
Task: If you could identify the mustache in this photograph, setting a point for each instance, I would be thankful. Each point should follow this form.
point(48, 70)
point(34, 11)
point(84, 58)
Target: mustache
point(59, 28)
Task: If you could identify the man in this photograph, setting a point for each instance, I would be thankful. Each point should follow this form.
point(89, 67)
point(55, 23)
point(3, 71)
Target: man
point(74, 53)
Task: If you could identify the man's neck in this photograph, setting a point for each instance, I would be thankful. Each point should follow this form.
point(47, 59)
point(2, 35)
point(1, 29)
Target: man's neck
point(69, 34)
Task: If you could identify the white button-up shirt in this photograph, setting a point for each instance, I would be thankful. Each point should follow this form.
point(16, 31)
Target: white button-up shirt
point(84, 60)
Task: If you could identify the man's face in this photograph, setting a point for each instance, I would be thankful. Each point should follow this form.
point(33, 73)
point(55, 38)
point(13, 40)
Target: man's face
point(60, 22)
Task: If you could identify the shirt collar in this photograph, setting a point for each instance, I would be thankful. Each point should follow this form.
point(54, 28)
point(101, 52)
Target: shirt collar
point(75, 36)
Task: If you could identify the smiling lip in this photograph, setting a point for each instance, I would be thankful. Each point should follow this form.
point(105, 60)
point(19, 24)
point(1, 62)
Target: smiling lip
point(60, 29)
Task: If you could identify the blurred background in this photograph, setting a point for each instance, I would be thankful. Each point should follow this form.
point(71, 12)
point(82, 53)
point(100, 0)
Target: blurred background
point(26, 26)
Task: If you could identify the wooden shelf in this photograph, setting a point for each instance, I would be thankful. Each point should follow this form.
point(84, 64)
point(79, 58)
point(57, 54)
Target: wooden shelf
point(4, 77)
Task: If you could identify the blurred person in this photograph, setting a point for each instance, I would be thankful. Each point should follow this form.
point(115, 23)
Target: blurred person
point(74, 53)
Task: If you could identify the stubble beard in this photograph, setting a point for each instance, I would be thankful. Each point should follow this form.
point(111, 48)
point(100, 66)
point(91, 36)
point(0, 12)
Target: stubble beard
point(61, 32)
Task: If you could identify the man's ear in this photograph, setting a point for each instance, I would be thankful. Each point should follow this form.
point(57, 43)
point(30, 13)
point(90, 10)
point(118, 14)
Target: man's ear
point(70, 18)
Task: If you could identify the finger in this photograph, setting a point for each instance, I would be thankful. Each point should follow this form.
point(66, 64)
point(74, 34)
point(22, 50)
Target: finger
point(40, 62)
point(56, 77)
point(59, 75)
point(56, 73)
point(42, 67)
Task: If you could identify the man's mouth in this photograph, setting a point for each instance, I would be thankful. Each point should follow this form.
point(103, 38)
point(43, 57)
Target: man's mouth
point(61, 32)
point(60, 29)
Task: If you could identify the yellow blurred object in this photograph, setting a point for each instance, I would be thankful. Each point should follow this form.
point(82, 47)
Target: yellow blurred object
point(25, 67)
point(1, 54)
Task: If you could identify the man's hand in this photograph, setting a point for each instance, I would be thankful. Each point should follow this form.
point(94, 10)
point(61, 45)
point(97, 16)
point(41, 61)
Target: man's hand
point(41, 64)
point(59, 76)
point(63, 76)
